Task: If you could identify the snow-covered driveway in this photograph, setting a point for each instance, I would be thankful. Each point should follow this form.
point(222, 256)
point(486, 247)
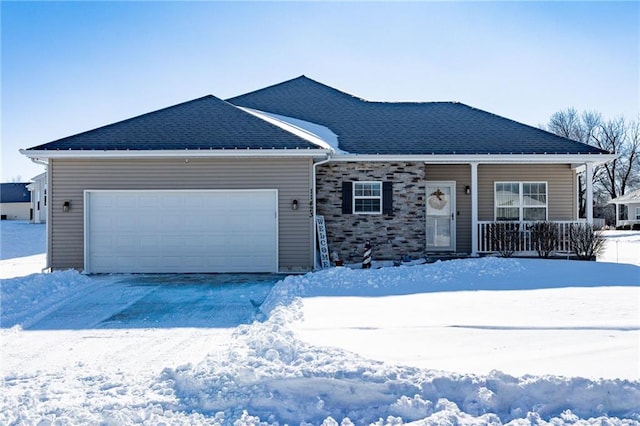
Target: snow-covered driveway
point(172, 318)
point(162, 301)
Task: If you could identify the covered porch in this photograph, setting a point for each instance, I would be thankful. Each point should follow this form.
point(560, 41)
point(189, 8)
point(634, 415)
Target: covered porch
point(523, 234)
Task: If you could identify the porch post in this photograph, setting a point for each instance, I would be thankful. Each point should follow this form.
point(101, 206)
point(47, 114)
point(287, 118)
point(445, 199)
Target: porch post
point(588, 176)
point(617, 215)
point(474, 209)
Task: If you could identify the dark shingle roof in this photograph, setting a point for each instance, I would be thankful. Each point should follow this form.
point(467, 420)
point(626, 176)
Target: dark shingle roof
point(365, 127)
point(204, 123)
point(14, 193)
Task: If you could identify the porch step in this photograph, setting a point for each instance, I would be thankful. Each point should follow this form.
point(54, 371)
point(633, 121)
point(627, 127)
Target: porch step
point(434, 257)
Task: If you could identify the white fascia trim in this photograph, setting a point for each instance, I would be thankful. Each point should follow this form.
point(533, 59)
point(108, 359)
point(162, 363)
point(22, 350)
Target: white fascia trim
point(595, 159)
point(183, 153)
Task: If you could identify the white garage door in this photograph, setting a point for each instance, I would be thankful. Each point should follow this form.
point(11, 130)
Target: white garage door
point(181, 231)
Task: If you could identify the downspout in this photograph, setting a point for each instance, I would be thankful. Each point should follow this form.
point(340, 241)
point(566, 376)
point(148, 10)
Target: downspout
point(313, 200)
point(47, 266)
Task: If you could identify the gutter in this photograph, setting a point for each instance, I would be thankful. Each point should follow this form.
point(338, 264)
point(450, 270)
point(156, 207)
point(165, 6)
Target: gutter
point(514, 158)
point(35, 159)
point(313, 199)
point(175, 153)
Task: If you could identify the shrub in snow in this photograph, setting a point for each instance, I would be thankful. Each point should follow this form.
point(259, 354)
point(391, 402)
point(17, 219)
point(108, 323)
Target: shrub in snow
point(544, 236)
point(586, 242)
point(505, 238)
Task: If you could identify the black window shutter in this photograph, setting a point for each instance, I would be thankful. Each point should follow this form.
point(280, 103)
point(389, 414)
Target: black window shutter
point(347, 198)
point(387, 197)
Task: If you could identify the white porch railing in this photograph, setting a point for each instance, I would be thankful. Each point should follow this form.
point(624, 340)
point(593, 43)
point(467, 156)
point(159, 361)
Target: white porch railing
point(516, 237)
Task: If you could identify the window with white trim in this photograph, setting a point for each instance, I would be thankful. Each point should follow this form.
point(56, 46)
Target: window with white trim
point(367, 197)
point(637, 213)
point(520, 201)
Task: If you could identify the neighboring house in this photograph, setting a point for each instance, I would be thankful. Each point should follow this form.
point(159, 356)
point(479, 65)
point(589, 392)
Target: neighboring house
point(629, 214)
point(15, 202)
point(235, 186)
point(38, 189)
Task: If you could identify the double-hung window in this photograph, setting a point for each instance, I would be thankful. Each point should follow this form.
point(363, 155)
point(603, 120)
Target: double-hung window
point(521, 201)
point(367, 197)
point(637, 213)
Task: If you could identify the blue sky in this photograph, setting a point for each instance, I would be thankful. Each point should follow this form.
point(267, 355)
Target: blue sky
point(68, 67)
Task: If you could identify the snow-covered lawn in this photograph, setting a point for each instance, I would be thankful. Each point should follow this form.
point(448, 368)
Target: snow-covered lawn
point(475, 341)
point(19, 239)
point(621, 247)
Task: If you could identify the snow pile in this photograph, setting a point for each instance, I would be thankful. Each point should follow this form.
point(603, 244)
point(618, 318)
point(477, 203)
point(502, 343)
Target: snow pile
point(90, 398)
point(270, 376)
point(27, 299)
point(276, 378)
point(489, 273)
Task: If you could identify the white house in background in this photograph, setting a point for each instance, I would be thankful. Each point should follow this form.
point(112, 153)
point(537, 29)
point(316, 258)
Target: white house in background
point(38, 189)
point(15, 202)
point(632, 202)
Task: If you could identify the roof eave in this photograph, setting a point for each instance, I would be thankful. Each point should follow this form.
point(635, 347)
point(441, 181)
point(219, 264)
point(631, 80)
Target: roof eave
point(577, 159)
point(182, 153)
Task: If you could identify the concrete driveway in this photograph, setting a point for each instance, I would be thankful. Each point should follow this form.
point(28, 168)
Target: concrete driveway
point(162, 301)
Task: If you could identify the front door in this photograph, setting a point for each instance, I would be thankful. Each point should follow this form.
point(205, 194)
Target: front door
point(441, 216)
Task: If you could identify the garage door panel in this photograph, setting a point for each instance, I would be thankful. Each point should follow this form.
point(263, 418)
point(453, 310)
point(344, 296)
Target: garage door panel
point(149, 202)
point(181, 231)
point(193, 202)
point(171, 221)
point(148, 242)
point(126, 202)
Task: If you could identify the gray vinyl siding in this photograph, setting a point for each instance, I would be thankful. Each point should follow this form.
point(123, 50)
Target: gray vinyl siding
point(561, 186)
point(461, 175)
point(291, 177)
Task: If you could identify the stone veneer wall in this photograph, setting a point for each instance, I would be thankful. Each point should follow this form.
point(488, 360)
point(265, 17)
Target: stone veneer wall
point(391, 235)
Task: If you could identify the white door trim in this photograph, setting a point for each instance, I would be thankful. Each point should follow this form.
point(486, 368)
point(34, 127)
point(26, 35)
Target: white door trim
point(452, 217)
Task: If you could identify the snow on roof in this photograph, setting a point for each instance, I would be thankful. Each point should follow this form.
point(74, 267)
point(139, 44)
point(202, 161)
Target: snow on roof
point(631, 197)
point(38, 177)
point(314, 133)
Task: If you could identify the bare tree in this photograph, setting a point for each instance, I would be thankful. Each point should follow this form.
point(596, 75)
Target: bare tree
point(618, 136)
point(566, 123)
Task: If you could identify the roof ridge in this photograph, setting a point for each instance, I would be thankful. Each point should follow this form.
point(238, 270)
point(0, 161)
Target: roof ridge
point(412, 102)
point(301, 78)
